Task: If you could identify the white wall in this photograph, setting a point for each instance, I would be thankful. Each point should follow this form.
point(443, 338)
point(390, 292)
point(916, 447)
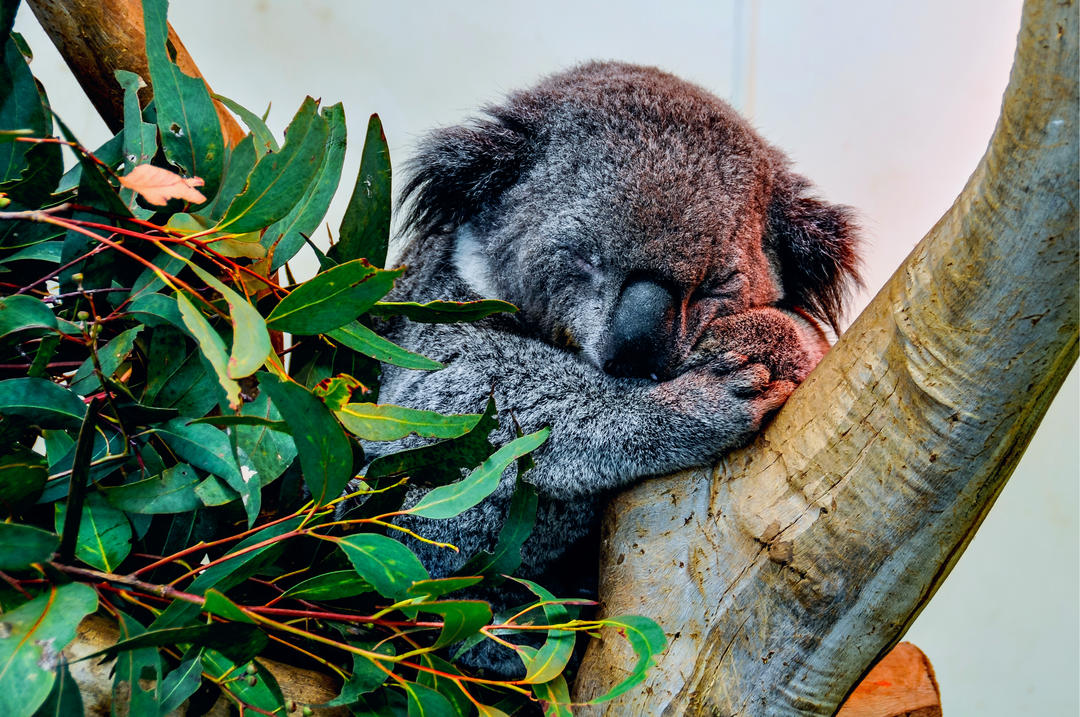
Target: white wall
point(887, 106)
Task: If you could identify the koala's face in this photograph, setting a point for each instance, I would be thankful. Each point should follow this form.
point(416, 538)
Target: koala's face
point(622, 209)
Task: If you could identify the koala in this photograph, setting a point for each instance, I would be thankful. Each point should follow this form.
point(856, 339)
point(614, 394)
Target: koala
point(672, 276)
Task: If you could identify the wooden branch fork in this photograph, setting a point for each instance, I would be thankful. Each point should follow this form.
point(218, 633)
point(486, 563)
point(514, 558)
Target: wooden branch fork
point(785, 572)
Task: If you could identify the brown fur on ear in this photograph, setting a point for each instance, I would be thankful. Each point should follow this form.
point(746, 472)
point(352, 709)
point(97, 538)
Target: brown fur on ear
point(460, 170)
point(816, 244)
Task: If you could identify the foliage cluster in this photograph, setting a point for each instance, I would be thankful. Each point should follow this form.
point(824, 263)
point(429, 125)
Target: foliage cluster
point(166, 462)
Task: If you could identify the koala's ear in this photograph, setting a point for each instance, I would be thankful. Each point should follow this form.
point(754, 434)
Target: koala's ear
point(817, 246)
point(460, 170)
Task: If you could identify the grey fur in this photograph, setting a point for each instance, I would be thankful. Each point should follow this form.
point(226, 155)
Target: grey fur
point(601, 178)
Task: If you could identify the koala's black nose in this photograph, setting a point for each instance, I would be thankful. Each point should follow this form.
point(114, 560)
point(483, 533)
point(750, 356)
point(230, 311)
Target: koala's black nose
point(638, 337)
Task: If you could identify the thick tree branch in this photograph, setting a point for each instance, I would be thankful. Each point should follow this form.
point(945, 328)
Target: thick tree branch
point(98, 37)
point(785, 571)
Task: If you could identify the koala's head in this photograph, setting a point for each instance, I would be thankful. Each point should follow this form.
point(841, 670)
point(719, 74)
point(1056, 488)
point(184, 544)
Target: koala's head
point(622, 209)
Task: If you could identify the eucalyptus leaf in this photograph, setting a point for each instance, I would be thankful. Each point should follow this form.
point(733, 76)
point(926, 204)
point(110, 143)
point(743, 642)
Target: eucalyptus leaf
point(34, 634)
point(365, 228)
point(374, 422)
point(104, 538)
point(386, 564)
point(23, 545)
point(186, 117)
point(41, 402)
point(332, 299)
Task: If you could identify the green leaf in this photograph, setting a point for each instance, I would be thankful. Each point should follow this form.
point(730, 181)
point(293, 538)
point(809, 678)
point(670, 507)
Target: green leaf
point(251, 342)
point(453, 499)
point(332, 299)
point(189, 125)
point(442, 586)
point(336, 391)
point(439, 463)
point(237, 641)
point(41, 403)
point(374, 422)
point(208, 448)
point(426, 702)
point(336, 585)
point(241, 161)
point(443, 684)
point(104, 533)
point(110, 356)
point(148, 281)
point(156, 310)
point(360, 338)
point(23, 107)
point(264, 695)
point(228, 574)
point(461, 618)
point(268, 444)
point(211, 346)
point(555, 696)
point(323, 448)
point(489, 711)
point(172, 491)
point(217, 604)
point(64, 700)
point(442, 312)
point(181, 683)
point(264, 138)
point(383, 562)
point(548, 662)
point(42, 251)
point(647, 639)
point(177, 377)
point(22, 476)
point(287, 236)
point(366, 674)
point(365, 228)
point(140, 138)
point(280, 178)
point(137, 673)
point(21, 545)
point(21, 312)
point(34, 635)
point(518, 526)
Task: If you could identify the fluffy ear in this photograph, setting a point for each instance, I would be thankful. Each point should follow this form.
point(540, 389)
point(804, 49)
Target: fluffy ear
point(816, 244)
point(460, 170)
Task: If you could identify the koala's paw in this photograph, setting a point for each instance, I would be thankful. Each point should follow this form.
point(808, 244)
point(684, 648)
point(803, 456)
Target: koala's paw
point(731, 398)
point(786, 345)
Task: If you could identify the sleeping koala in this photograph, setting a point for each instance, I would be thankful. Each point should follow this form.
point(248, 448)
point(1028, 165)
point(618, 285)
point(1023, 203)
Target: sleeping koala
point(670, 272)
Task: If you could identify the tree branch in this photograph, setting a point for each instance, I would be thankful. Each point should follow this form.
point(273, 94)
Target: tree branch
point(783, 573)
point(98, 37)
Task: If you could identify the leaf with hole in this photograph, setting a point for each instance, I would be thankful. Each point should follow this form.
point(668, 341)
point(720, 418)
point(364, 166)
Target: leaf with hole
point(186, 117)
point(34, 634)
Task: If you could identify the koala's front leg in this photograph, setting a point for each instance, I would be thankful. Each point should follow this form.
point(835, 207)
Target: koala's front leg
point(606, 431)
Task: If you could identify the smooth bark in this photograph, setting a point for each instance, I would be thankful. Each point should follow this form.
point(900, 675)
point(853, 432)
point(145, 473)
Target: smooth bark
point(784, 572)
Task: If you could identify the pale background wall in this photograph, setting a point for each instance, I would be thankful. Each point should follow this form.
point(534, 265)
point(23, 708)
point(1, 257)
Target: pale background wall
point(887, 106)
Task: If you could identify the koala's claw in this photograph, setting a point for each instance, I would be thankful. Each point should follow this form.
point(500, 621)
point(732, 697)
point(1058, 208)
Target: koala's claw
point(750, 380)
